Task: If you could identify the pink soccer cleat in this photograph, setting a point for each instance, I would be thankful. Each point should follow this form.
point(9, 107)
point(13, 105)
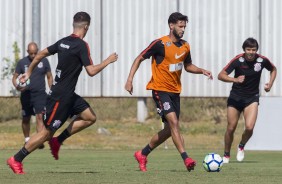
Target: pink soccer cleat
point(142, 160)
point(54, 147)
point(190, 164)
point(16, 166)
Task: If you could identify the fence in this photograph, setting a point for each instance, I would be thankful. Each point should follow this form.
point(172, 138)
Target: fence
point(215, 31)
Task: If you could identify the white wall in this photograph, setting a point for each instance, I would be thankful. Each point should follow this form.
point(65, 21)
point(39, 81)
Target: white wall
point(216, 31)
point(267, 132)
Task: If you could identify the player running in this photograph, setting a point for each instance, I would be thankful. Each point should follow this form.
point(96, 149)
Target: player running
point(63, 102)
point(169, 55)
point(244, 95)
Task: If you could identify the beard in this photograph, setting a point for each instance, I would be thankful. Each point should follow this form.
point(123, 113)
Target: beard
point(177, 35)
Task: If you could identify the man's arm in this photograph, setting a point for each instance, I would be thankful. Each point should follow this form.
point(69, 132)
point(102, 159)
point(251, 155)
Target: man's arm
point(14, 80)
point(194, 69)
point(273, 74)
point(128, 86)
point(223, 76)
point(49, 79)
point(94, 69)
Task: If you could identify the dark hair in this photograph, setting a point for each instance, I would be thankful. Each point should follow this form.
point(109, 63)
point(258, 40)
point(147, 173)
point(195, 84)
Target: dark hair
point(250, 42)
point(81, 17)
point(176, 16)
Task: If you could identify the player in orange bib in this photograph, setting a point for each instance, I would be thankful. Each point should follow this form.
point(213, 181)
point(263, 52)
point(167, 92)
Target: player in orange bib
point(169, 55)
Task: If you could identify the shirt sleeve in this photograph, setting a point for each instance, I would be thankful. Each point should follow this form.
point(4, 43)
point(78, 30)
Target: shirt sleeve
point(53, 49)
point(85, 55)
point(18, 68)
point(230, 66)
point(268, 65)
point(47, 65)
point(188, 59)
point(155, 47)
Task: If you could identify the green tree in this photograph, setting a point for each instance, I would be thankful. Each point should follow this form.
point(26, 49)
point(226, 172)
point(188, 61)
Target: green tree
point(10, 64)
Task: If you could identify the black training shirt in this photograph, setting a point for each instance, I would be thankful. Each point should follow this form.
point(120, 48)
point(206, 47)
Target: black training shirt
point(37, 78)
point(252, 71)
point(73, 53)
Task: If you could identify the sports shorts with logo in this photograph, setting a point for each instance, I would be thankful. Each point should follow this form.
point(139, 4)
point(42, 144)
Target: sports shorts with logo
point(166, 102)
point(58, 111)
point(240, 103)
point(33, 102)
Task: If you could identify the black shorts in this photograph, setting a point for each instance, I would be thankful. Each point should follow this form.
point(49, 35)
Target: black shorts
point(240, 103)
point(33, 102)
point(58, 111)
point(166, 102)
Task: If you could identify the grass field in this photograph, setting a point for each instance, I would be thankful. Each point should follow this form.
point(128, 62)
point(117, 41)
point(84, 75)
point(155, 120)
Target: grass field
point(89, 157)
point(164, 166)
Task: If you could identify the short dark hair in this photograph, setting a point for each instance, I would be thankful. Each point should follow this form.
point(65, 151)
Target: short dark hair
point(176, 16)
point(81, 17)
point(250, 42)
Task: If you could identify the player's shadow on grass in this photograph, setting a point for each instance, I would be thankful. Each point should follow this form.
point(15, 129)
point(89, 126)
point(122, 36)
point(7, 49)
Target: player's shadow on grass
point(243, 162)
point(77, 172)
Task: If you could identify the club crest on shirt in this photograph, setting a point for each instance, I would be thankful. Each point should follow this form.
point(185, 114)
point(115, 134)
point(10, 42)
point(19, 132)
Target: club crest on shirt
point(40, 65)
point(166, 106)
point(259, 59)
point(257, 67)
point(168, 44)
point(57, 124)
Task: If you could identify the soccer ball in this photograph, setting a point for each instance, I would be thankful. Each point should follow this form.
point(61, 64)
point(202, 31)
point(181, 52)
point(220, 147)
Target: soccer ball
point(212, 162)
point(20, 84)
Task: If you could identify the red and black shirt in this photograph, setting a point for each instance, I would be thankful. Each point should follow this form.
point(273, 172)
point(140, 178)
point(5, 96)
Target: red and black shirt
point(73, 53)
point(252, 71)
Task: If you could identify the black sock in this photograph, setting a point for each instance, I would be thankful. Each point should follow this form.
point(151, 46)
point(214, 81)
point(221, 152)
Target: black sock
point(227, 154)
point(184, 155)
point(146, 150)
point(241, 145)
point(63, 136)
point(21, 154)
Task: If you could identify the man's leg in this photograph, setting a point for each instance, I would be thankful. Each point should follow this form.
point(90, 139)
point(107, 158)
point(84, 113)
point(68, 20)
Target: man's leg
point(26, 127)
point(250, 115)
point(156, 140)
point(39, 126)
point(82, 121)
point(178, 140)
point(175, 131)
point(39, 122)
point(232, 121)
point(15, 162)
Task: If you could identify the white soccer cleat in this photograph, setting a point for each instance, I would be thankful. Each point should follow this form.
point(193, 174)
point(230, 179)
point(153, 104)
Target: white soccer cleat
point(240, 155)
point(225, 159)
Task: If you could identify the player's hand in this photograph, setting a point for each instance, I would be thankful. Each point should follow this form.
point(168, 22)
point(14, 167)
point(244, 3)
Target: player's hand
point(208, 74)
point(240, 79)
point(267, 87)
point(129, 87)
point(113, 57)
point(24, 77)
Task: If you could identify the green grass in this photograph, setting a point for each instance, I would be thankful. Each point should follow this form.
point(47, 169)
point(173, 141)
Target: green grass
point(90, 157)
point(164, 166)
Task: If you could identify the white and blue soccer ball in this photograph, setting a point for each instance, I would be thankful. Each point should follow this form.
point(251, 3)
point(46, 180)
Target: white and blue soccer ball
point(212, 162)
point(20, 84)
